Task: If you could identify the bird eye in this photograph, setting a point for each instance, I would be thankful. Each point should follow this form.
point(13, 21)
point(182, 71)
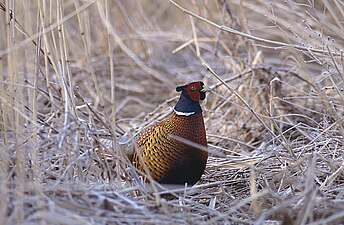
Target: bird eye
point(193, 88)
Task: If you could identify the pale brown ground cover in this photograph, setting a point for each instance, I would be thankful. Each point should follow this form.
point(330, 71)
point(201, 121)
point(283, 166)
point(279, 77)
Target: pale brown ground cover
point(73, 71)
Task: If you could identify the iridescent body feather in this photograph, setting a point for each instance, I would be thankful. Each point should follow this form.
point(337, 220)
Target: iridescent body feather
point(169, 160)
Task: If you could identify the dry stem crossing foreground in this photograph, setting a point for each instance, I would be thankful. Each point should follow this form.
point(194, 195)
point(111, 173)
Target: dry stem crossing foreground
point(76, 73)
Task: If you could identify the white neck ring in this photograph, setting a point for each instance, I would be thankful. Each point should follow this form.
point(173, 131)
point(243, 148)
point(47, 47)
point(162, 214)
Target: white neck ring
point(183, 113)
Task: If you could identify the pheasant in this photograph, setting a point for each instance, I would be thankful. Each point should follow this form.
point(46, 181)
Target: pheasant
point(170, 149)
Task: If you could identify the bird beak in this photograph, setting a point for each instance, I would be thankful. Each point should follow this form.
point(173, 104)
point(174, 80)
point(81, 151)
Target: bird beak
point(205, 89)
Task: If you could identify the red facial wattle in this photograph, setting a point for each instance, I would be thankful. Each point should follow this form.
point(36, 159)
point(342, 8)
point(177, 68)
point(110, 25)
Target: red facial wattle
point(188, 103)
point(195, 91)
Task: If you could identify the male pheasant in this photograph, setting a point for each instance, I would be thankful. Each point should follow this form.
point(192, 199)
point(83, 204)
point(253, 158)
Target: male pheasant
point(161, 148)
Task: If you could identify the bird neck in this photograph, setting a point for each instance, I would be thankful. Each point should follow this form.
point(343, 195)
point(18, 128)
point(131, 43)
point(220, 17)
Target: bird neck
point(186, 106)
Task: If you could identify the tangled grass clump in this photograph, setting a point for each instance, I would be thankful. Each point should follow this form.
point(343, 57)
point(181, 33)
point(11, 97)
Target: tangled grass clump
point(76, 73)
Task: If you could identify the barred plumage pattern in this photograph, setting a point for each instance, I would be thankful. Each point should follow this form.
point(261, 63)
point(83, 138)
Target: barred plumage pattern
point(168, 160)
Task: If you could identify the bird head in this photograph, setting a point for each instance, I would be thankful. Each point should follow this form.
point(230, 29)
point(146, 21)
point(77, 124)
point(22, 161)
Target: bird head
point(195, 90)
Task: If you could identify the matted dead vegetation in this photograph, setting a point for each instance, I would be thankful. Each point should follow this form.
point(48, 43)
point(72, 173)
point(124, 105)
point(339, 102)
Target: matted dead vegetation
point(74, 72)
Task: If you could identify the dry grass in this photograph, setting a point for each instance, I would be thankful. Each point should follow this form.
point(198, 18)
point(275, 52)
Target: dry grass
point(73, 71)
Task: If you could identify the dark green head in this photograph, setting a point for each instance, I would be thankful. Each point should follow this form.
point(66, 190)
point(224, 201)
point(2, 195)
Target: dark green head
point(188, 103)
point(194, 90)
